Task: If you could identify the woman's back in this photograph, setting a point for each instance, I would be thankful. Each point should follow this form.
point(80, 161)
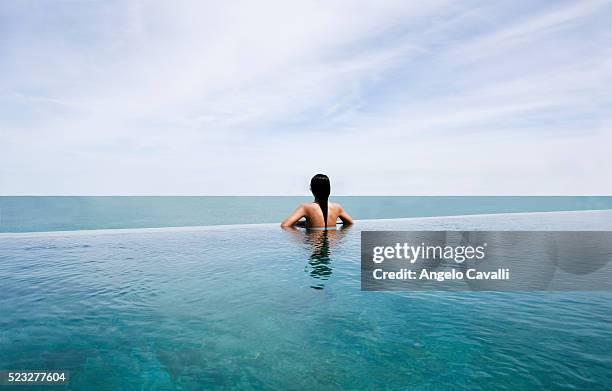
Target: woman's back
point(314, 214)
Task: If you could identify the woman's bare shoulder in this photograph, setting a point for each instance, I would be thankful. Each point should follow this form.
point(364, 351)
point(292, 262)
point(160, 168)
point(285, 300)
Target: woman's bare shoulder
point(307, 205)
point(336, 206)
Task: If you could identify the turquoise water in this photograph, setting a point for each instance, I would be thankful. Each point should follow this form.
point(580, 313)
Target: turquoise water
point(30, 214)
point(263, 308)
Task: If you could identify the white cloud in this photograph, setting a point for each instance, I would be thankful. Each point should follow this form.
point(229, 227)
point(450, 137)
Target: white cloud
point(255, 97)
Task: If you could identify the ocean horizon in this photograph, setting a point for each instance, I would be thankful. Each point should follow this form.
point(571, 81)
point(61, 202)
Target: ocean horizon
point(68, 213)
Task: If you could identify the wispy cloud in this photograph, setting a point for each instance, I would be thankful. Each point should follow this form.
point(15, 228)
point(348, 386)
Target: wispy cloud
point(192, 97)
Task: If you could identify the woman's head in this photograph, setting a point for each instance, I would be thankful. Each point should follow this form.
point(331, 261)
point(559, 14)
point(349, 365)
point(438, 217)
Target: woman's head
point(320, 187)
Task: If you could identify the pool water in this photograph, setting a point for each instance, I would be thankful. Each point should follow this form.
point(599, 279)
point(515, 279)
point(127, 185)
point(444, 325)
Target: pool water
point(263, 308)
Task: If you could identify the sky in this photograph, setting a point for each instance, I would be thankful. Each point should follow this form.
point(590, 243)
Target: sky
point(255, 97)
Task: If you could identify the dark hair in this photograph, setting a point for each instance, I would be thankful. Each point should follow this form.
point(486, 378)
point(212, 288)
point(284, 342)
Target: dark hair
point(320, 187)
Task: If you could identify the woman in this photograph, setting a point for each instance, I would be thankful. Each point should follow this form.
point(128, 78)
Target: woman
point(320, 213)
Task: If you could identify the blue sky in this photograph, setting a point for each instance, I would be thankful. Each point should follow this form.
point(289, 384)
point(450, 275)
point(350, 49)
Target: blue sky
point(253, 98)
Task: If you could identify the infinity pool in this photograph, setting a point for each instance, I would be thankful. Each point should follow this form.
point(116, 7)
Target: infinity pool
point(251, 307)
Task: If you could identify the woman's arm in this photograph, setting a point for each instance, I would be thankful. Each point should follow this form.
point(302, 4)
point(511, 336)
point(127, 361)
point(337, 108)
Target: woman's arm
point(345, 217)
point(293, 218)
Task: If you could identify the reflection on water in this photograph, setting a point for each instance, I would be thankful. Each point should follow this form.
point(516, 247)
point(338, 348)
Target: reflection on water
point(320, 261)
point(320, 244)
